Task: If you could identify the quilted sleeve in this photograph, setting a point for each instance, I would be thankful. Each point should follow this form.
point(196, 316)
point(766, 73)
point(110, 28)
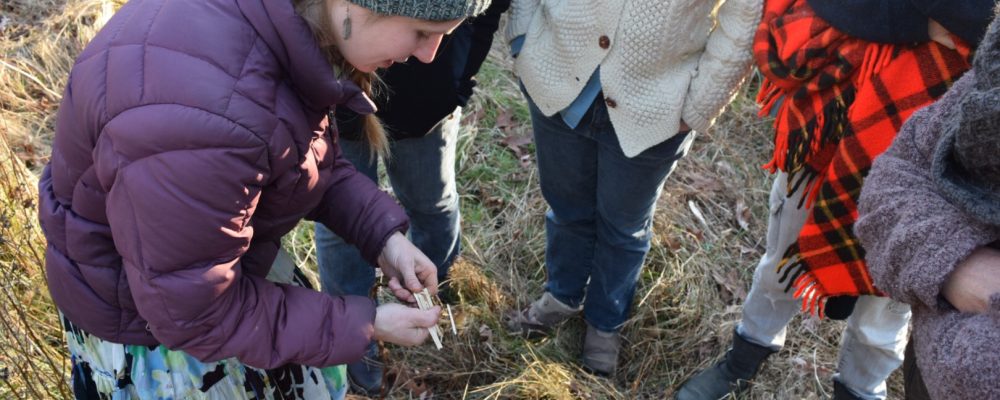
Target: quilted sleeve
point(182, 187)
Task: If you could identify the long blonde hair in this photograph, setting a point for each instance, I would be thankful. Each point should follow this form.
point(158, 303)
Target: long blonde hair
point(317, 14)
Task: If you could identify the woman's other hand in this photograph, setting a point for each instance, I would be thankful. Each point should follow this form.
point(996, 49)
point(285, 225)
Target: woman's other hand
point(940, 34)
point(973, 281)
point(402, 325)
point(405, 265)
point(684, 127)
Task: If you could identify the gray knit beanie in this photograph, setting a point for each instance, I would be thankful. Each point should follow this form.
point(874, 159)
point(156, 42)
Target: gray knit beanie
point(433, 10)
point(966, 162)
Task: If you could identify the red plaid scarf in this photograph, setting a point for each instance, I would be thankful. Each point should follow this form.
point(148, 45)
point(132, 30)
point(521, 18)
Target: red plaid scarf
point(844, 100)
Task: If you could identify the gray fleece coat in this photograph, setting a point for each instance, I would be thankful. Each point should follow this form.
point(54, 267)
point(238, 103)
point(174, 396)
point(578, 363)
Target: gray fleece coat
point(922, 212)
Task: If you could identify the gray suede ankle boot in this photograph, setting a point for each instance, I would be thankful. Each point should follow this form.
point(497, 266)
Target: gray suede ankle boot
point(540, 317)
point(732, 374)
point(600, 351)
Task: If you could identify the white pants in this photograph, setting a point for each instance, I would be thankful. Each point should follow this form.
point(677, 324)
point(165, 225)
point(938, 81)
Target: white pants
point(875, 338)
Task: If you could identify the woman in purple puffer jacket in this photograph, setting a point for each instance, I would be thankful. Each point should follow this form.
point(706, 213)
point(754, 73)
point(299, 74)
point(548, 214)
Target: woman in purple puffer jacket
point(192, 135)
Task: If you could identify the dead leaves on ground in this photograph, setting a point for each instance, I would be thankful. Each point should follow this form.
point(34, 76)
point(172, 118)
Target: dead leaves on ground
point(715, 206)
point(731, 287)
point(742, 214)
point(516, 140)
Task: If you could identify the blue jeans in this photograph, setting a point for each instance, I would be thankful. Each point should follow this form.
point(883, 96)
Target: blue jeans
point(422, 174)
point(601, 206)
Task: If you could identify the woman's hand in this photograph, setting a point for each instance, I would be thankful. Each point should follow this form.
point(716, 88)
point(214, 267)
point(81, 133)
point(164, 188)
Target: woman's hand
point(940, 34)
point(404, 264)
point(684, 127)
point(402, 325)
point(973, 281)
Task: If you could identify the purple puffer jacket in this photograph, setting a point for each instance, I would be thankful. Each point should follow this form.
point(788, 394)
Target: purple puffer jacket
point(190, 138)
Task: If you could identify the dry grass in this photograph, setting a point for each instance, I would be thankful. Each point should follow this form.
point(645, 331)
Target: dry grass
point(32, 361)
point(38, 41)
point(696, 275)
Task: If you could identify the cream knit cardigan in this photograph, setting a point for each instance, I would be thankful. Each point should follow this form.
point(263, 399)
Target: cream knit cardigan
point(665, 59)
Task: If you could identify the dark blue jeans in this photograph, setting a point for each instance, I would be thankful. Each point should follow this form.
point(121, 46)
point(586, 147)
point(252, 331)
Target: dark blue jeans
point(601, 206)
point(422, 174)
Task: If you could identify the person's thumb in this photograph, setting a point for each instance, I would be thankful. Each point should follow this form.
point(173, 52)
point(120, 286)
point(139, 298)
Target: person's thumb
point(428, 318)
point(426, 272)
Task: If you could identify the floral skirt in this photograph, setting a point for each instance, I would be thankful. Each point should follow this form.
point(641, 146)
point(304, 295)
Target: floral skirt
point(106, 370)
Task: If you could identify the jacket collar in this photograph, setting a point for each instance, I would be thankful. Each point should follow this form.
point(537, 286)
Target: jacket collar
point(291, 41)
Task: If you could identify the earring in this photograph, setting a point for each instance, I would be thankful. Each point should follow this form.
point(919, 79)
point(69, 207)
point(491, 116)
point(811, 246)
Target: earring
point(347, 24)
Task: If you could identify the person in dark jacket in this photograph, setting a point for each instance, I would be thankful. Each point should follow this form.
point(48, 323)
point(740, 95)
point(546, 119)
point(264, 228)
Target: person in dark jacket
point(839, 79)
point(930, 219)
point(192, 135)
point(420, 106)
